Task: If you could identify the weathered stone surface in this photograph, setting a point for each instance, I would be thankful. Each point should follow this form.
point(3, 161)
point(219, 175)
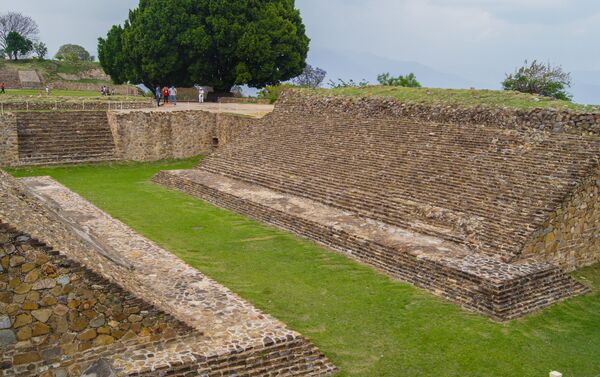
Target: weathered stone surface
point(100, 368)
point(5, 322)
point(42, 315)
point(7, 338)
point(22, 320)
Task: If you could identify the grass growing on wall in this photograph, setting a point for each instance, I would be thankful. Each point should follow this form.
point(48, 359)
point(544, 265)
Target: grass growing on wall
point(461, 97)
point(368, 324)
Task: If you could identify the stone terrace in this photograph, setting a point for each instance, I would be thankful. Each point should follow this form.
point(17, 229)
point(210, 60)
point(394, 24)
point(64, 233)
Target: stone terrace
point(227, 337)
point(483, 189)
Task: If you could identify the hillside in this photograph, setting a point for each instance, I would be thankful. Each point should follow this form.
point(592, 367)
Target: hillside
point(53, 70)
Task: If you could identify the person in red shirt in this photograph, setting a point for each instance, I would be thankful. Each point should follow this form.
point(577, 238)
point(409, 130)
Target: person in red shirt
point(2, 88)
point(165, 95)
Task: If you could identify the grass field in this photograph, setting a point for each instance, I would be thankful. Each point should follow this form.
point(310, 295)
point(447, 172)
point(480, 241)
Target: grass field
point(462, 97)
point(368, 324)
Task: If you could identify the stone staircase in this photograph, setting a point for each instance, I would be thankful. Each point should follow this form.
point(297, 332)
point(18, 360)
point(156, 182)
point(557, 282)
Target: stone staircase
point(10, 78)
point(47, 138)
point(447, 207)
point(483, 187)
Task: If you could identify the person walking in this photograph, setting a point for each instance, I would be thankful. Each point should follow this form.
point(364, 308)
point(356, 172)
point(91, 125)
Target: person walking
point(165, 93)
point(201, 95)
point(47, 91)
point(2, 88)
point(157, 95)
point(173, 95)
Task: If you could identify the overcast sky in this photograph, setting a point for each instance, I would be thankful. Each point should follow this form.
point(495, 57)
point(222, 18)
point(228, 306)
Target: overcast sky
point(475, 40)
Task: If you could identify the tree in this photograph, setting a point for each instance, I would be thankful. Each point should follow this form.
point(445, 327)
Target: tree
point(540, 78)
point(17, 45)
point(218, 43)
point(18, 23)
point(311, 77)
point(41, 50)
point(408, 81)
point(73, 53)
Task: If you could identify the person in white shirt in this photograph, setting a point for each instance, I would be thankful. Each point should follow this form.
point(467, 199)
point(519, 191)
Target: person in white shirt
point(173, 95)
point(201, 95)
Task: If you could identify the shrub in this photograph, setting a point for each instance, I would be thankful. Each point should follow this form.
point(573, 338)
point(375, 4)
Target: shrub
point(347, 84)
point(273, 92)
point(73, 53)
point(408, 81)
point(539, 78)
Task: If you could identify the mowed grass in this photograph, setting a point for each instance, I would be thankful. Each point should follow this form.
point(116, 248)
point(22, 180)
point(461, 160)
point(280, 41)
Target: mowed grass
point(461, 97)
point(368, 324)
point(53, 93)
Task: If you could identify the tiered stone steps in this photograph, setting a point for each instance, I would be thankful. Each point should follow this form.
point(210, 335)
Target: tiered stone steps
point(10, 78)
point(478, 282)
point(484, 187)
point(47, 138)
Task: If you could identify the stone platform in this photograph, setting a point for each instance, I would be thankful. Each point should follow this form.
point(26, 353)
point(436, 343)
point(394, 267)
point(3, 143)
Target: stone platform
point(221, 335)
point(479, 282)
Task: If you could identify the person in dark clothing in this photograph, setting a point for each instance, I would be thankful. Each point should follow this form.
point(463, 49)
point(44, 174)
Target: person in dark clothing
point(2, 88)
point(157, 95)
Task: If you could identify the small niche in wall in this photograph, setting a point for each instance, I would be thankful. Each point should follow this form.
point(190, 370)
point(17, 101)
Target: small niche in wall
point(215, 142)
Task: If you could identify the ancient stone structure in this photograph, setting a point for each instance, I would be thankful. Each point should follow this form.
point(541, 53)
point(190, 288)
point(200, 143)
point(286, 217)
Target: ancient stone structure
point(81, 293)
point(488, 211)
point(10, 78)
point(151, 136)
point(61, 137)
point(46, 138)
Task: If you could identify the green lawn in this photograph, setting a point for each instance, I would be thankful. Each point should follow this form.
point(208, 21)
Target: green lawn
point(368, 324)
point(461, 97)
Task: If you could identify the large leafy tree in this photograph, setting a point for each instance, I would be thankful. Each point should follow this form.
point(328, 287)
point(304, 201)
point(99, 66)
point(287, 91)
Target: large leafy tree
point(73, 53)
point(220, 43)
point(17, 45)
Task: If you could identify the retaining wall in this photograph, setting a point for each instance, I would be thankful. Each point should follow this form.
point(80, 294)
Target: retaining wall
point(151, 136)
point(9, 140)
point(508, 118)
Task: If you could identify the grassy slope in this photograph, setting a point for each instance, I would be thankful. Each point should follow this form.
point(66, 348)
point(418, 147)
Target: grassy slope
point(368, 324)
point(462, 97)
point(50, 69)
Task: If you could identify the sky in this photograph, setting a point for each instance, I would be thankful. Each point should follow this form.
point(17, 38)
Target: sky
point(449, 43)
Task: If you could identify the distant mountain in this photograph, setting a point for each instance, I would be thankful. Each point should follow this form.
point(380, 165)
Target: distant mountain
point(586, 87)
point(357, 66)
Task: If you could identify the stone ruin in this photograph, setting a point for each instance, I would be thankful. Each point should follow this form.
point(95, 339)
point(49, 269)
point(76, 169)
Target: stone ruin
point(489, 208)
point(81, 294)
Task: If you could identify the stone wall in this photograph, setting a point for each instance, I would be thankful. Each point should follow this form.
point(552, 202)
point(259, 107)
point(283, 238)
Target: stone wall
point(570, 237)
point(124, 90)
point(53, 310)
point(69, 104)
point(152, 136)
point(259, 101)
point(9, 147)
point(536, 119)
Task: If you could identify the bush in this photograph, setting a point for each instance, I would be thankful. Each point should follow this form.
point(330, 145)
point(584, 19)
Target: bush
point(347, 84)
point(273, 92)
point(539, 78)
point(408, 81)
point(73, 53)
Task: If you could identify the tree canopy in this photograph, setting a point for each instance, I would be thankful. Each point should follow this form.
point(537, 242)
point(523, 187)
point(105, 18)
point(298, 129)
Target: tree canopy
point(73, 53)
point(17, 45)
point(220, 43)
point(18, 23)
